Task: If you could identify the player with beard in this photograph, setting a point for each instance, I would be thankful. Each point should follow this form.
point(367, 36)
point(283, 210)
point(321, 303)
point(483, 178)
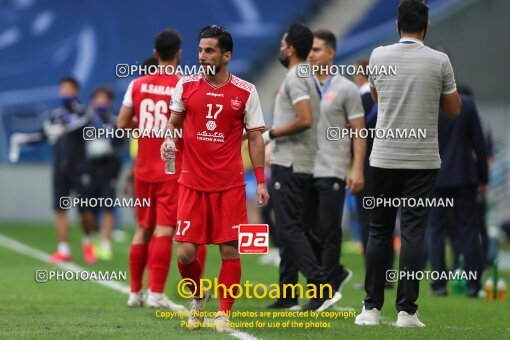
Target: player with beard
point(214, 109)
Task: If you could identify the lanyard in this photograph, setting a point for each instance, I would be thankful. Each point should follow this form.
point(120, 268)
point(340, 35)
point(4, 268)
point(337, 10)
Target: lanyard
point(324, 89)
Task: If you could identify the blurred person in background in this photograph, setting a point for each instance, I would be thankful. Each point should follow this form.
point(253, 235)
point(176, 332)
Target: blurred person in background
point(267, 214)
point(103, 155)
point(481, 201)
point(133, 143)
point(463, 175)
point(71, 170)
point(370, 110)
point(293, 146)
point(147, 99)
point(336, 168)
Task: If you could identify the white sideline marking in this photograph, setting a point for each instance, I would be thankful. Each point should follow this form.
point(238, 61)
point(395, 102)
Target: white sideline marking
point(21, 248)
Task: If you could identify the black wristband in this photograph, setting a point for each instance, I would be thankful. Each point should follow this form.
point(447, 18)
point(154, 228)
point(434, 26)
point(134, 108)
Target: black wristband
point(271, 134)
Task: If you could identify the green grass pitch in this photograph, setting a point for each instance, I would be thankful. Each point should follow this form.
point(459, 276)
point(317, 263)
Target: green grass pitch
point(80, 309)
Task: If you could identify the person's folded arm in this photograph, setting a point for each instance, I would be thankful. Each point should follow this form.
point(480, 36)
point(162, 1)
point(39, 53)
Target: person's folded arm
point(303, 120)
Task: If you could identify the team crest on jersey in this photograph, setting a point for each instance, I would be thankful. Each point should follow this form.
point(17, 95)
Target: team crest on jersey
point(330, 96)
point(236, 103)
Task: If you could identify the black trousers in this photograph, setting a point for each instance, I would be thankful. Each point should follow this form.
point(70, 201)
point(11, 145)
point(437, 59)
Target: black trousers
point(290, 193)
point(397, 183)
point(462, 219)
point(481, 214)
point(323, 223)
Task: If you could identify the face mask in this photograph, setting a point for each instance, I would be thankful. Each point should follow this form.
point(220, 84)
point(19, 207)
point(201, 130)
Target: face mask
point(68, 100)
point(101, 109)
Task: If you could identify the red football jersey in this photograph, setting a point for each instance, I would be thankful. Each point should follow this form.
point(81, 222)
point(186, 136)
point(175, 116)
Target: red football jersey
point(149, 96)
point(215, 117)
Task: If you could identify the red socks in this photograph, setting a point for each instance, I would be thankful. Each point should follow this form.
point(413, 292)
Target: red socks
point(160, 255)
point(201, 254)
point(137, 262)
point(230, 273)
point(191, 271)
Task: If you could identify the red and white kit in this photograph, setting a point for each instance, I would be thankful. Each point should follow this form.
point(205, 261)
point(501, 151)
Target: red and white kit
point(149, 97)
point(212, 197)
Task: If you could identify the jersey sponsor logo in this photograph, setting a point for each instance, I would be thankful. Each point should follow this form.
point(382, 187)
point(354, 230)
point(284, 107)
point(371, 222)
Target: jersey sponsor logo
point(253, 238)
point(215, 137)
point(236, 103)
point(212, 94)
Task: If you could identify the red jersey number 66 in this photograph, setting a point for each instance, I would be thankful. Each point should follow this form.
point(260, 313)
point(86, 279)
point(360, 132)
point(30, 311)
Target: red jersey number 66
point(253, 238)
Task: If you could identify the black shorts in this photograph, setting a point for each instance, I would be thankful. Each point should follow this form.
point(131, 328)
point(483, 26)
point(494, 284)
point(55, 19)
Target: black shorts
point(66, 181)
point(104, 173)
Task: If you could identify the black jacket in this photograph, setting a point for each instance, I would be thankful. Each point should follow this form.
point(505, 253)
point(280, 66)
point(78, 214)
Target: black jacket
point(462, 148)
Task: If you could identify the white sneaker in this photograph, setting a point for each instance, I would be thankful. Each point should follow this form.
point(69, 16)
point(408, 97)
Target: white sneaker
point(221, 323)
point(160, 300)
point(408, 320)
point(330, 302)
point(135, 299)
point(197, 308)
point(369, 317)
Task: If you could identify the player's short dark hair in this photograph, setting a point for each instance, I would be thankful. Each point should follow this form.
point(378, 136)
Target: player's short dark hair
point(300, 37)
point(71, 80)
point(364, 64)
point(167, 43)
point(105, 90)
point(328, 37)
point(219, 33)
point(413, 15)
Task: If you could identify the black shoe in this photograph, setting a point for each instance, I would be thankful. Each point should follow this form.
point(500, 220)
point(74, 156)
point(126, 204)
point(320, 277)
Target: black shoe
point(439, 292)
point(321, 304)
point(342, 280)
point(284, 304)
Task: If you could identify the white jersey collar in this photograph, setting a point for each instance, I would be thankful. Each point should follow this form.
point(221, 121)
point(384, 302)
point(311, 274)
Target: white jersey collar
point(411, 40)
